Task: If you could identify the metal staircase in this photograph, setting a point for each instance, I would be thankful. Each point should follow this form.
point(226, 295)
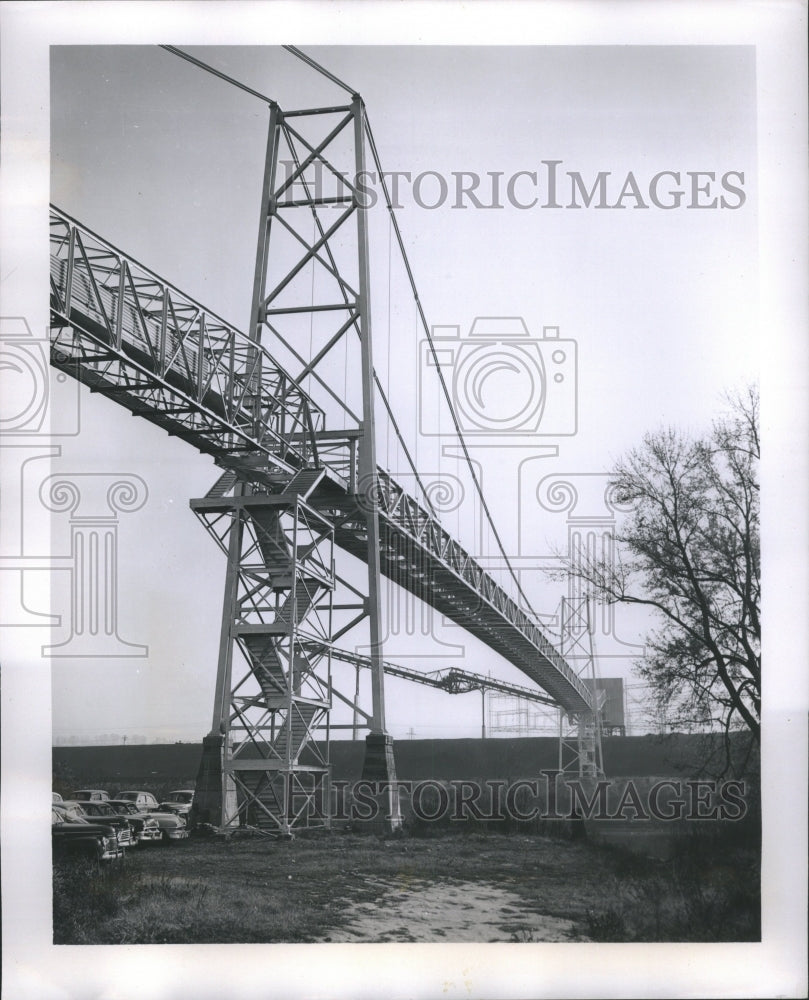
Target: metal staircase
point(277, 645)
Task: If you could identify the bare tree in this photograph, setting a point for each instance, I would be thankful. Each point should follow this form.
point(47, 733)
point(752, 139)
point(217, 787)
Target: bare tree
point(689, 549)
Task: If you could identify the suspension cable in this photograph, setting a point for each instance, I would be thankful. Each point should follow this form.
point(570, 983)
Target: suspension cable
point(222, 76)
point(447, 396)
point(320, 69)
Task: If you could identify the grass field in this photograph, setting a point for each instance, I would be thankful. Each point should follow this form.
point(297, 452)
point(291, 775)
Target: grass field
point(435, 882)
point(249, 889)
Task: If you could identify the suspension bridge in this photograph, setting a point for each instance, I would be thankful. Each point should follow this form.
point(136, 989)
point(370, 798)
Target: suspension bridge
point(300, 484)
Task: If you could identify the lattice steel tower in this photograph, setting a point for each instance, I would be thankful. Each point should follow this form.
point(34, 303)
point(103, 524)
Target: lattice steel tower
point(277, 617)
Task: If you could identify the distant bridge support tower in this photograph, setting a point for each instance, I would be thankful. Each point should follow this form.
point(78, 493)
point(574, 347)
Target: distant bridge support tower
point(580, 732)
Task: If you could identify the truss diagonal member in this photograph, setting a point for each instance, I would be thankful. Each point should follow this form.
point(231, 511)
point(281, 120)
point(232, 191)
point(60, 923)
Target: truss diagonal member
point(315, 154)
point(335, 339)
point(344, 216)
point(321, 382)
point(329, 265)
point(319, 224)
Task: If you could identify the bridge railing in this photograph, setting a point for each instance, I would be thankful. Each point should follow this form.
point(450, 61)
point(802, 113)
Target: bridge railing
point(135, 316)
point(409, 516)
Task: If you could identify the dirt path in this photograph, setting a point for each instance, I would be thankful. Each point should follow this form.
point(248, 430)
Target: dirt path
point(429, 911)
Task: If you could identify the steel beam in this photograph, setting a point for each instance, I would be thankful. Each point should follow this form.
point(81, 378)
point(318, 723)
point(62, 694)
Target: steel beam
point(367, 445)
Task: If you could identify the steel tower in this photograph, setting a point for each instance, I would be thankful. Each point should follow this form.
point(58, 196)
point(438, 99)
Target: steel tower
point(312, 222)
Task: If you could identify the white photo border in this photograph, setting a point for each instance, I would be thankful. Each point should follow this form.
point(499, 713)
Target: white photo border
point(33, 967)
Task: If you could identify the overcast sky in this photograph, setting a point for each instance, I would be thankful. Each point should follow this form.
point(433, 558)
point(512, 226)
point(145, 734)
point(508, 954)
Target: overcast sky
point(165, 161)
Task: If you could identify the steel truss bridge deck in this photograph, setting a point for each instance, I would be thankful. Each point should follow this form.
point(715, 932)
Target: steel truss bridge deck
point(130, 335)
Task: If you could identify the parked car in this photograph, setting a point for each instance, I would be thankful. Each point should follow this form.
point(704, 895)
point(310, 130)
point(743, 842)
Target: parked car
point(85, 839)
point(82, 812)
point(144, 826)
point(91, 795)
point(103, 812)
point(145, 801)
point(179, 801)
point(172, 826)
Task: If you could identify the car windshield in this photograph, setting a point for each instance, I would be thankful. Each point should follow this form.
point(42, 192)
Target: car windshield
point(124, 807)
point(180, 797)
point(128, 796)
point(98, 809)
point(74, 813)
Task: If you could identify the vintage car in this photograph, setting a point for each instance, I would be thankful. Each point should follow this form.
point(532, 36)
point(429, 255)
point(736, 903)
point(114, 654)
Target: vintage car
point(145, 801)
point(179, 801)
point(81, 812)
point(91, 795)
point(90, 840)
point(145, 827)
point(172, 826)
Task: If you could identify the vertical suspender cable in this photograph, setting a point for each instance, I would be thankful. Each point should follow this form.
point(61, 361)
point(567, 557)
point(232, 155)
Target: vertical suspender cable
point(426, 328)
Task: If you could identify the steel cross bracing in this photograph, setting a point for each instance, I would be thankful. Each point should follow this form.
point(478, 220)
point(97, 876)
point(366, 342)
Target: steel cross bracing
point(130, 335)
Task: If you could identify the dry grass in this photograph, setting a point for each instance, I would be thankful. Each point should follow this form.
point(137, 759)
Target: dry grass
point(255, 890)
